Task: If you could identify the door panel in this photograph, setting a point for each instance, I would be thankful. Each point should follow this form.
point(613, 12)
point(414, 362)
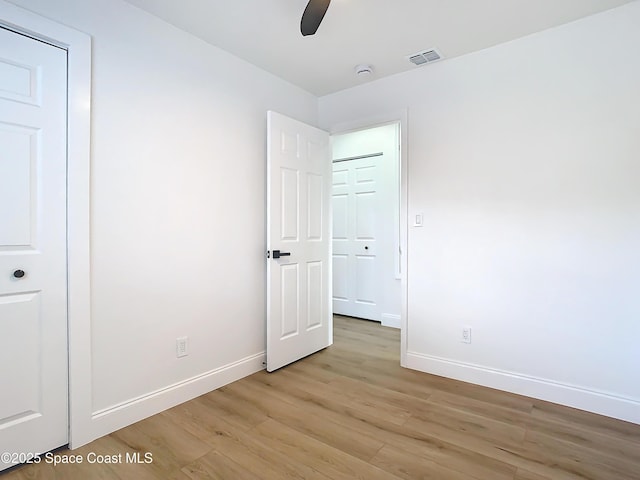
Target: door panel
point(289, 276)
point(340, 177)
point(365, 215)
point(315, 277)
point(17, 179)
point(20, 320)
point(315, 205)
point(298, 285)
point(340, 278)
point(366, 174)
point(33, 298)
point(289, 196)
point(340, 216)
point(19, 82)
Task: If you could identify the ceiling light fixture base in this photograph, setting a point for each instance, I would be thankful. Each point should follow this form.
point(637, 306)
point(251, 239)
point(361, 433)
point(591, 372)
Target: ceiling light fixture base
point(363, 70)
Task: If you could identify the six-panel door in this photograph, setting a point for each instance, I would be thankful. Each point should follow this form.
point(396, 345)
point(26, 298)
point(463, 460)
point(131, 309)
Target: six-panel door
point(33, 299)
point(298, 211)
point(356, 275)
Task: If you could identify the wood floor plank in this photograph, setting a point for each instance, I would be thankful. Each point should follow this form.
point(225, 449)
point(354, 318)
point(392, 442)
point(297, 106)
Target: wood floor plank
point(379, 405)
point(525, 475)
point(607, 426)
point(44, 471)
point(309, 418)
point(568, 432)
point(241, 414)
point(514, 454)
point(324, 458)
point(215, 466)
point(322, 403)
point(393, 380)
point(484, 408)
point(383, 397)
point(622, 447)
point(109, 445)
point(262, 459)
point(365, 428)
point(183, 446)
point(172, 447)
point(199, 419)
point(583, 462)
point(410, 466)
point(444, 418)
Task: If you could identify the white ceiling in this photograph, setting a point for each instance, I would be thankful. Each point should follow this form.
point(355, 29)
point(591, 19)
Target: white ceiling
point(376, 32)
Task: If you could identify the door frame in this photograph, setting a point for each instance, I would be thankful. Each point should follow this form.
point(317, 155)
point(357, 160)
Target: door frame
point(78, 47)
point(378, 120)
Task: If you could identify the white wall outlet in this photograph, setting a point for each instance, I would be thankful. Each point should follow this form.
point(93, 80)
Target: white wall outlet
point(466, 334)
point(182, 347)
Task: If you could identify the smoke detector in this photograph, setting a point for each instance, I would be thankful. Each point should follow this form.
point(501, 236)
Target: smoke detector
point(422, 58)
point(363, 70)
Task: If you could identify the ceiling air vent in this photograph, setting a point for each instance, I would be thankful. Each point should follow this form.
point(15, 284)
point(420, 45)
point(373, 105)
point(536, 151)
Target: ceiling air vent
point(428, 56)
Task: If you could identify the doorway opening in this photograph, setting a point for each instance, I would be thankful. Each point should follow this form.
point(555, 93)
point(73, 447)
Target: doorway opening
point(366, 238)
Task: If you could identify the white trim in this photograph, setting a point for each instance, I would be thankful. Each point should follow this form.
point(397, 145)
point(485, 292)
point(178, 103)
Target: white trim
point(390, 320)
point(133, 410)
point(78, 46)
point(600, 402)
point(376, 121)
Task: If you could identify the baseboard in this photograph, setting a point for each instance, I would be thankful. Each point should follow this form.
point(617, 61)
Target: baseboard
point(602, 403)
point(123, 414)
point(390, 320)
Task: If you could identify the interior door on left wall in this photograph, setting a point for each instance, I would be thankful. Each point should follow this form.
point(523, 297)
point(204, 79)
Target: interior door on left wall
point(299, 317)
point(33, 268)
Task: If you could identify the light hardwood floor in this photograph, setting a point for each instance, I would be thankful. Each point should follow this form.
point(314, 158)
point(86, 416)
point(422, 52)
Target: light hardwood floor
point(351, 412)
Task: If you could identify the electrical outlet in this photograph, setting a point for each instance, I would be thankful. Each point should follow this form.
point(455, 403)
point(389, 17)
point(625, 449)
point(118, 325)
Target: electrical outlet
point(182, 344)
point(466, 334)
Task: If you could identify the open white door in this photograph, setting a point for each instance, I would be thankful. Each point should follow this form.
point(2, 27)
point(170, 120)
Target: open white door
point(299, 317)
point(33, 268)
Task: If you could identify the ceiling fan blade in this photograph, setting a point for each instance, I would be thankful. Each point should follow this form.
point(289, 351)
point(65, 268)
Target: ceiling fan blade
point(313, 15)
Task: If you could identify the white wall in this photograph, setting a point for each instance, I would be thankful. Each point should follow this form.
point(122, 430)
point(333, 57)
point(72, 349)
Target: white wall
point(524, 160)
point(384, 139)
point(177, 207)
